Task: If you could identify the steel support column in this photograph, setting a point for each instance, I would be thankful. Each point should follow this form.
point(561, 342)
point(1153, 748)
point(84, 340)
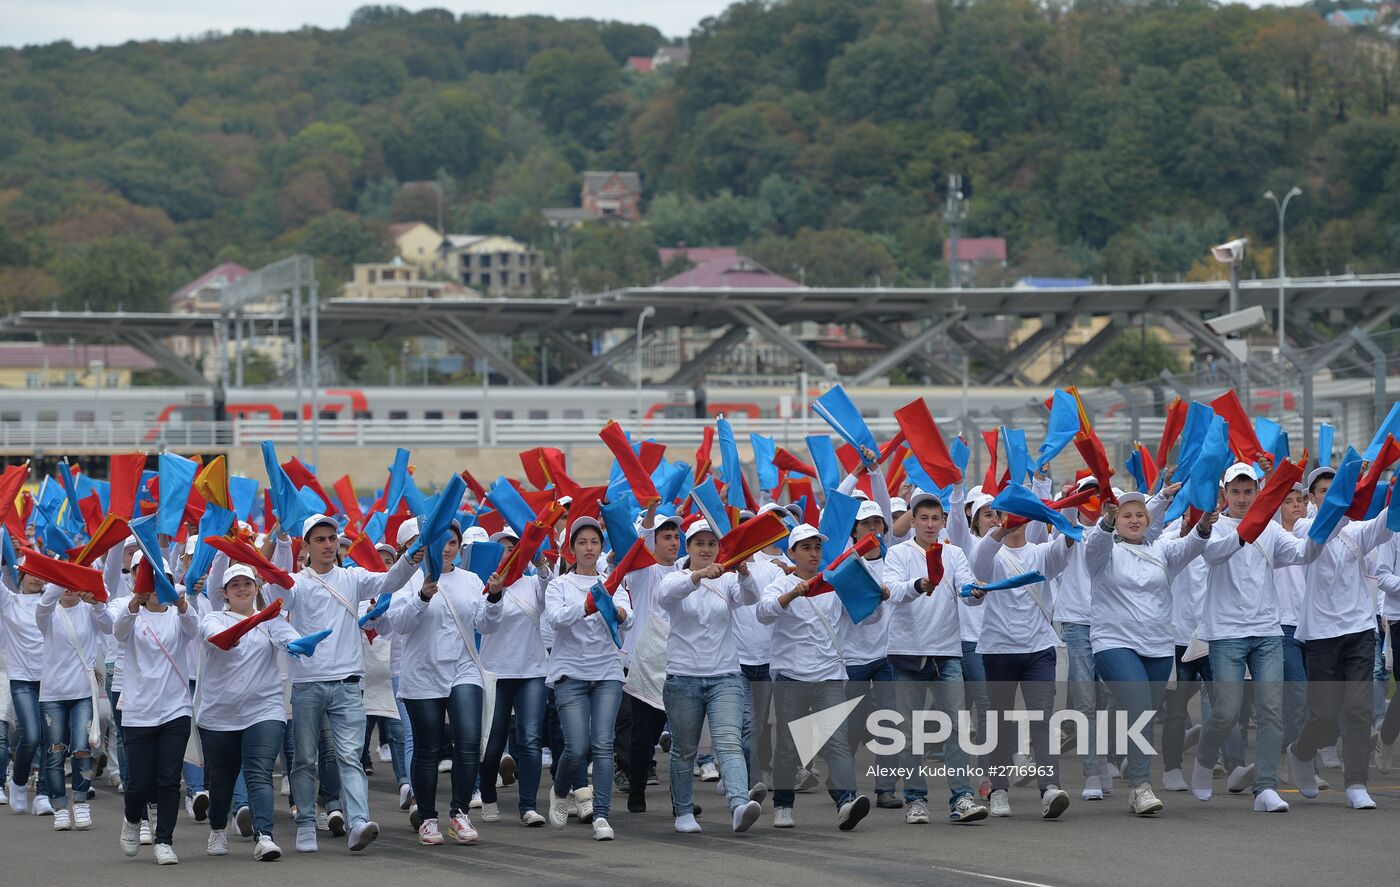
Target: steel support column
point(693, 369)
point(892, 338)
point(1085, 353)
point(902, 352)
point(1023, 353)
point(773, 332)
point(155, 350)
point(583, 358)
point(465, 337)
point(599, 363)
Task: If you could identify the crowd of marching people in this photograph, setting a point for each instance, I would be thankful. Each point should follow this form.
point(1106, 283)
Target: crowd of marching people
point(537, 641)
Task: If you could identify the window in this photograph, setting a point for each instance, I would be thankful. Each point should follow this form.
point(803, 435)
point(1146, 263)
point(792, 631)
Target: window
point(505, 414)
point(539, 415)
point(433, 415)
point(31, 380)
point(113, 380)
point(70, 378)
point(10, 416)
point(329, 414)
point(524, 279)
point(84, 416)
point(48, 416)
point(486, 261)
point(467, 415)
point(398, 415)
point(364, 415)
point(573, 414)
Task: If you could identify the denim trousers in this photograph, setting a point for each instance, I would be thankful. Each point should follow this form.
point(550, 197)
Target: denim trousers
point(340, 705)
point(875, 681)
point(588, 715)
point(462, 707)
point(1035, 674)
point(1083, 685)
point(1295, 686)
point(1264, 658)
point(525, 697)
point(793, 699)
point(249, 753)
point(66, 724)
point(28, 744)
point(689, 702)
point(975, 695)
point(758, 739)
point(153, 759)
point(1138, 684)
point(942, 678)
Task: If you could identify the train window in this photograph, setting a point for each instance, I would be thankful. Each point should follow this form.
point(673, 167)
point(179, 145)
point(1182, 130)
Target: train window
point(433, 415)
point(48, 416)
point(148, 415)
point(539, 415)
point(505, 414)
point(84, 416)
point(467, 415)
point(364, 415)
point(329, 414)
point(117, 416)
point(398, 415)
point(573, 414)
point(9, 416)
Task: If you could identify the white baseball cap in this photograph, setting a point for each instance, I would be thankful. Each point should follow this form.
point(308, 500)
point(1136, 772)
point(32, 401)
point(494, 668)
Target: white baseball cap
point(700, 526)
point(475, 534)
point(897, 505)
point(1320, 472)
point(407, 530)
point(804, 531)
point(1086, 481)
point(239, 570)
point(1237, 471)
point(386, 548)
point(771, 506)
point(1134, 496)
point(920, 497)
point(660, 521)
point(315, 521)
point(503, 533)
point(582, 522)
point(868, 508)
point(979, 502)
point(190, 543)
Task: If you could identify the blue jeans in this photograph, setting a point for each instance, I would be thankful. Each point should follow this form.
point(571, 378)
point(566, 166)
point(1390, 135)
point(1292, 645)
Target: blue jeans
point(462, 707)
point(1228, 658)
point(1035, 673)
point(1295, 686)
point(193, 773)
point(1138, 684)
point(251, 751)
point(342, 705)
point(66, 725)
point(1381, 679)
point(153, 758)
point(793, 699)
point(874, 680)
point(975, 694)
point(4, 750)
point(112, 699)
point(758, 745)
point(689, 700)
point(526, 697)
point(407, 729)
point(1083, 687)
point(1191, 677)
point(945, 674)
point(587, 713)
point(391, 731)
point(24, 695)
point(328, 775)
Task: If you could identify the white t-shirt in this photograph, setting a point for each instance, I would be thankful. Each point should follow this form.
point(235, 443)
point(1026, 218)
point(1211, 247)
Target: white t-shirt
point(702, 639)
point(243, 686)
point(156, 689)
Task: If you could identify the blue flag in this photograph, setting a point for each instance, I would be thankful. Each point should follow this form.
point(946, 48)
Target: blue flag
point(837, 521)
point(1390, 426)
point(858, 590)
point(433, 529)
point(176, 480)
point(1063, 426)
point(708, 502)
point(1272, 438)
point(73, 515)
point(1198, 419)
point(1134, 466)
point(398, 477)
point(764, 449)
point(1019, 500)
point(607, 611)
point(1018, 458)
point(145, 531)
point(243, 495)
point(730, 468)
point(1201, 487)
point(215, 522)
point(836, 407)
point(676, 484)
point(1325, 434)
point(960, 453)
point(1338, 499)
point(375, 526)
point(306, 645)
point(483, 558)
point(1017, 581)
point(824, 460)
point(619, 517)
point(510, 504)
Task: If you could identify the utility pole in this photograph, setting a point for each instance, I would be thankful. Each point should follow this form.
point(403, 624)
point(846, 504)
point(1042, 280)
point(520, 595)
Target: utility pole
point(954, 214)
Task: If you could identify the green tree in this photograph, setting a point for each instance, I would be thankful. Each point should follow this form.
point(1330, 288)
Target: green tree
point(121, 273)
point(570, 90)
point(609, 256)
point(1135, 356)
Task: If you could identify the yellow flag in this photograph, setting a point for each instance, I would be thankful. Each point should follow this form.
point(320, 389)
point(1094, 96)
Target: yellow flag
point(212, 483)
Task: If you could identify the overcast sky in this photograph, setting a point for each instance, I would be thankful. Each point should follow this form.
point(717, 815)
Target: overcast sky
point(107, 22)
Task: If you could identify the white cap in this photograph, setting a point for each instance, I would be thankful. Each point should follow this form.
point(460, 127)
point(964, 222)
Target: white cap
point(407, 530)
point(1299, 488)
point(974, 492)
point(745, 514)
point(346, 540)
point(475, 534)
point(315, 521)
point(804, 531)
point(580, 523)
point(920, 497)
point(130, 543)
point(897, 505)
point(1135, 496)
point(660, 521)
point(794, 509)
point(1086, 481)
point(386, 548)
point(504, 533)
point(700, 526)
point(868, 509)
point(1237, 471)
point(1319, 472)
point(860, 494)
point(190, 543)
point(771, 506)
point(565, 500)
point(237, 570)
point(979, 502)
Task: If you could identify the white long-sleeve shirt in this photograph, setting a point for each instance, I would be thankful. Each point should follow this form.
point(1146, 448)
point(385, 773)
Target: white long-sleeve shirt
point(1387, 561)
point(1339, 599)
point(805, 644)
point(926, 624)
point(511, 644)
point(435, 653)
point(1240, 600)
point(701, 642)
point(870, 640)
point(1132, 590)
point(72, 643)
point(1013, 620)
point(331, 600)
point(583, 647)
point(156, 689)
point(243, 686)
point(754, 639)
point(23, 637)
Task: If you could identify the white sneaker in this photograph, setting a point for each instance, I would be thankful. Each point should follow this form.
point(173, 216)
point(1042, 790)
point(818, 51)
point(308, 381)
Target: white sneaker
point(41, 806)
point(445, 765)
point(601, 830)
point(385, 755)
point(218, 842)
point(1382, 755)
point(852, 812)
point(428, 833)
point(583, 804)
point(782, 817)
point(1093, 789)
point(707, 772)
point(3, 798)
point(19, 798)
point(1268, 801)
point(1173, 781)
point(62, 820)
point(559, 810)
point(189, 805)
point(82, 816)
point(147, 839)
point(200, 806)
point(506, 770)
point(475, 803)
point(546, 759)
point(306, 839)
point(461, 830)
point(745, 815)
point(531, 819)
point(243, 822)
point(323, 821)
point(335, 823)
point(686, 824)
point(266, 851)
point(131, 838)
point(758, 793)
point(1359, 799)
point(1201, 778)
point(1240, 779)
point(1024, 768)
point(1000, 803)
point(916, 813)
point(165, 855)
point(1143, 801)
point(965, 810)
point(1302, 774)
point(405, 797)
point(286, 786)
point(1053, 802)
point(362, 835)
point(491, 812)
point(1328, 758)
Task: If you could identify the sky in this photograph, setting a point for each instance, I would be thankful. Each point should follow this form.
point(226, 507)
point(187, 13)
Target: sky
point(106, 22)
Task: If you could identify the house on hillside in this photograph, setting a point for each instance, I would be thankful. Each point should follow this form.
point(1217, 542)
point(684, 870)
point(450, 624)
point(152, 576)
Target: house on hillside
point(258, 319)
point(974, 254)
point(397, 279)
point(719, 266)
point(419, 244)
point(38, 365)
point(613, 193)
point(201, 295)
point(671, 55)
point(639, 63)
point(494, 265)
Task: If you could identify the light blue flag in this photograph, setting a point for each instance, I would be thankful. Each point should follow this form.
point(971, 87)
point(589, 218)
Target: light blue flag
point(840, 412)
point(824, 459)
point(176, 480)
point(837, 521)
point(1338, 499)
point(145, 530)
point(730, 468)
point(1063, 426)
point(764, 450)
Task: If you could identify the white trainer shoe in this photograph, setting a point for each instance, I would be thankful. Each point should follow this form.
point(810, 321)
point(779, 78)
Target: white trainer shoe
point(1240, 779)
point(782, 817)
point(1143, 801)
point(491, 812)
point(475, 803)
point(82, 816)
point(1053, 802)
point(1000, 803)
point(583, 804)
point(41, 806)
point(461, 830)
point(165, 855)
point(218, 842)
point(916, 813)
point(559, 810)
point(62, 820)
point(131, 837)
point(362, 835)
point(852, 812)
point(266, 850)
point(19, 798)
point(1303, 774)
point(531, 819)
point(1359, 799)
point(601, 830)
point(147, 838)
point(1268, 801)
point(1093, 789)
point(1173, 781)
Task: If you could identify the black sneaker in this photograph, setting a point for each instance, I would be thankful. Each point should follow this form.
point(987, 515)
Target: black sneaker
point(621, 784)
point(636, 803)
point(888, 801)
point(652, 778)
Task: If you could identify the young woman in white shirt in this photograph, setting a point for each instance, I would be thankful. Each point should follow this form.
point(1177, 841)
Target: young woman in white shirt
point(703, 679)
point(512, 648)
point(26, 668)
point(73, 625)
point(586, 673)
point(440, 678)
point(1131, 617)
point(156, 711)
point(240, 713)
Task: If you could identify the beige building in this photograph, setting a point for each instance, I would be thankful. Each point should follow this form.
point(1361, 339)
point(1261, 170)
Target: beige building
point(494, 265)
point(38, 365)
point(421, 245)
point(398, 279)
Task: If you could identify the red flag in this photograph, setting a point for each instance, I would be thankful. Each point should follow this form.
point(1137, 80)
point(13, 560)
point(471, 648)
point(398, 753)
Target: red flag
point(345, 492)
point(229, 637)
point(818, 584)
point(110, 532)
point(91, 507)
point(477, 489)
point(1361, 501)
point(651, 455)
point(638, 478)
point(992, 439)
point(514, 564)
point(753, 535)
point(1149, 467)
point(490, 521)
point(749, 501)
point(934, 560)
point(124, 474)
point(895, 479)
point(363, 552)
point(61, 573)
point(555, 464)
point(702, 455)
point(243, 553)
point(798, 489)
point(268, 517)
point(1091, 448)
point(10, 484)
point(638, 557)
point(1243, 440)
point(891, 446)
point(785, 461)
point(535, 471)
point(926, 442)
point(301, 477)
point(1176, 421)
point(1267, 503)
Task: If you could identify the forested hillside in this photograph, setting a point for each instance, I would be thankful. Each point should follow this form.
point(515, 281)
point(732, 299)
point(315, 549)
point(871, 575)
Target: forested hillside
point(1106, 138)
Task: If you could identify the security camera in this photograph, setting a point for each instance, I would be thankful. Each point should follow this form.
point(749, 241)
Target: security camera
point(1236, 321)
point(1231, 253)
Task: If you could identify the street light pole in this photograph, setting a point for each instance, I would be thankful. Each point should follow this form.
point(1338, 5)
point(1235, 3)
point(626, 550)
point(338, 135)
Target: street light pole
point(1282, 210)
point(647, 312)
